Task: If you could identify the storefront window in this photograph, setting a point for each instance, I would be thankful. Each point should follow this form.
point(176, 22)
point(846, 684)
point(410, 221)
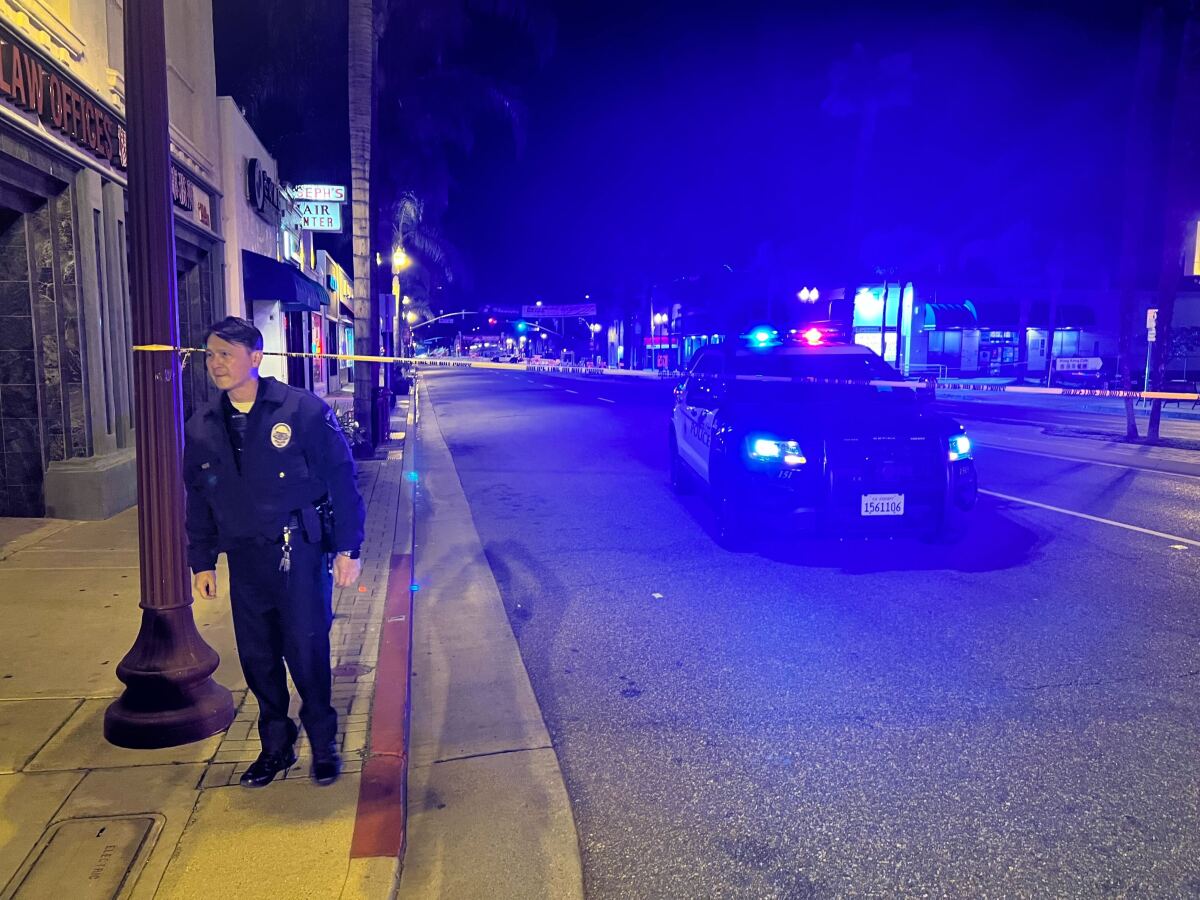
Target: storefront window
point(1066, 343)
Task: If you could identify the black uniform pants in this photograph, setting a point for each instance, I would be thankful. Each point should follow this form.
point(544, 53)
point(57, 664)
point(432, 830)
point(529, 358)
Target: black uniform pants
point(283, 618)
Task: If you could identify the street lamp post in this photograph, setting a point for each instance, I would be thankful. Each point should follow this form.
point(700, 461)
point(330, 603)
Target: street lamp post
point(660, 321)
point(170, 697)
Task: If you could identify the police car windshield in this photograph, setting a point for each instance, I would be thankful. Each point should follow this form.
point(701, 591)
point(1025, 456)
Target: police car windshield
point(835, 363)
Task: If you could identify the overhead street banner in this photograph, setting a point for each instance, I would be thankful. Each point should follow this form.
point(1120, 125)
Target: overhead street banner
point(562, 311)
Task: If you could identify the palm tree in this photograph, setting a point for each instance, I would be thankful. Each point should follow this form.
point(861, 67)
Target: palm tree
point(863, 87)
point(366, 21)
point(1182, 194)
point(1138, 156)
point(411, 93)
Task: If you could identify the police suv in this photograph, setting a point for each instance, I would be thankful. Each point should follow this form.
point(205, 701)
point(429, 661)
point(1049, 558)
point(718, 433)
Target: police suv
point(807, 423)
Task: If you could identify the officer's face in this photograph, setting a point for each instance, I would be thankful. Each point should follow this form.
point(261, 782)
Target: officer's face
point(231, 365)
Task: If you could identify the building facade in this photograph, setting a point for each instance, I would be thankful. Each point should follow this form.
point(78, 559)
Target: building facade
point(273, 276)
point(66, 401)
point(339, 321)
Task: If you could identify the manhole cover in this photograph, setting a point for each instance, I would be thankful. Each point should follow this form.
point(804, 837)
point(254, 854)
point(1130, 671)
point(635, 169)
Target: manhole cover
point(352, 670)
point(84, 858)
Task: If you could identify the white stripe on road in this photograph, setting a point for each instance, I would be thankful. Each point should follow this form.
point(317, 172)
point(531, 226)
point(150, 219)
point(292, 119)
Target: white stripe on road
point(1090, 518)
point(1091, 462)
point(569, 391)
point(606, 400)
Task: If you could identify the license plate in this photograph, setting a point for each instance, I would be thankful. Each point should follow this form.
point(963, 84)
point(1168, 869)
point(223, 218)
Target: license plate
point(883, 504)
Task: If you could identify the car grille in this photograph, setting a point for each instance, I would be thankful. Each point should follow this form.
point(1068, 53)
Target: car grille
point(883, 463)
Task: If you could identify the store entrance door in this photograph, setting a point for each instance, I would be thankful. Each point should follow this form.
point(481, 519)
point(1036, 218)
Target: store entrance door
point(297, 342)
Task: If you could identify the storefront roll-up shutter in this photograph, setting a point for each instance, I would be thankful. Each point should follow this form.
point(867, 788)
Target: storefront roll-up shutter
point(265, 279)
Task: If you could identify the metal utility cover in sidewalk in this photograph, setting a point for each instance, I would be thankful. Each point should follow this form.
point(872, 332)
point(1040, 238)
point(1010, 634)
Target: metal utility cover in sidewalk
point(96, 859)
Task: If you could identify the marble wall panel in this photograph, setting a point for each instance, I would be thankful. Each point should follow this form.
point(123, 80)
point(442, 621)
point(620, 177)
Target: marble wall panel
point(14, 298)
point(17, 367)
point(18, 401)
point(16, 333)
point(77, 416)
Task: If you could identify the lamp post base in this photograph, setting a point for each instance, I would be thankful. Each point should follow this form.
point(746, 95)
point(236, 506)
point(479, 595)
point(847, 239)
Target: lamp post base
point(170, 698)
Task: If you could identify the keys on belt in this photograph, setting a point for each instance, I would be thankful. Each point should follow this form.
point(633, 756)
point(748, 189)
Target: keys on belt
point(292, 527)
point(285, 561)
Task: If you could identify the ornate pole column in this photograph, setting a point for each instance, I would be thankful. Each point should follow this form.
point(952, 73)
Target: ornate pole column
point(170, 697)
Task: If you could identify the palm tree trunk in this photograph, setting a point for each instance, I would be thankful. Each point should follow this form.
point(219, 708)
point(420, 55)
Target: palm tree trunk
point(361, 77)
point(1138, 154)
point(1179, 198)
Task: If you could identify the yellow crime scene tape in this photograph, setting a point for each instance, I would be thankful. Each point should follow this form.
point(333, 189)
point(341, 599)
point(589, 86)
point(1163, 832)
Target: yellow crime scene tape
point(601, 371)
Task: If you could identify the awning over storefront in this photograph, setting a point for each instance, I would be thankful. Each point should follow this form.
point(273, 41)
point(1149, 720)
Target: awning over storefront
point(265, 279)
point(944, 316)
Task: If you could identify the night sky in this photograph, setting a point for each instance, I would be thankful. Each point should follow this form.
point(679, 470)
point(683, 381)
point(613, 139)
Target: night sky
point(671, 138)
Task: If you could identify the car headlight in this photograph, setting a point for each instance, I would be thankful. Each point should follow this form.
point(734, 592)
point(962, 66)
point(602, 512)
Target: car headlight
point(771, 450)
point(960, 447)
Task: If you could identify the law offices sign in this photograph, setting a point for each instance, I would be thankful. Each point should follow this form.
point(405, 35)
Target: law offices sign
point(32, 84)
point(40, 90)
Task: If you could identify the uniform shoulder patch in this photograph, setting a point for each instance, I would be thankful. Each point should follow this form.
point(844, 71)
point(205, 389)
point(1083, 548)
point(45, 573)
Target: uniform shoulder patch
point(281, 435)
point(331, 419)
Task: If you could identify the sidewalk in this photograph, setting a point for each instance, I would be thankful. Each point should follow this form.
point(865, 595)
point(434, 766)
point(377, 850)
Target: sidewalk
point(489, 815)
point(81, 818)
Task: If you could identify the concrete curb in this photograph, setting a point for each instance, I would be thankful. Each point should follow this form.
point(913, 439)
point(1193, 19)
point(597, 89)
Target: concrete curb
point(380, 829)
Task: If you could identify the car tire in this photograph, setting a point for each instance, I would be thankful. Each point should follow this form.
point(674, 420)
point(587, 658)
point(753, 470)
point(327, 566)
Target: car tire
point(677, 473)
point(951, 526)
point(730, 517)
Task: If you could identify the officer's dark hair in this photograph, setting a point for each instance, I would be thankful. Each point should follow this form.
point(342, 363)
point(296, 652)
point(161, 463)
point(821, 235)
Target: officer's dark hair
point(236, 330)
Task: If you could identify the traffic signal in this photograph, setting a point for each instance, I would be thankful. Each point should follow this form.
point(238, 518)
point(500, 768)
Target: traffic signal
point(521, 326)
point(492, 320)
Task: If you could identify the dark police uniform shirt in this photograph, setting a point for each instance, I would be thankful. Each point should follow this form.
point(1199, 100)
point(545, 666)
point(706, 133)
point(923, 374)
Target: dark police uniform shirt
point(293, 455)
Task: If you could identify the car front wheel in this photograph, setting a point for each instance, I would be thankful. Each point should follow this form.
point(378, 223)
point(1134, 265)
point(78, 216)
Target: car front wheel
point(731, 515)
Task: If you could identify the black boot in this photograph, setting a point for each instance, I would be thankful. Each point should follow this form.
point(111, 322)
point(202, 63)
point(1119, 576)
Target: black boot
point(264, 769)
point(327, 765)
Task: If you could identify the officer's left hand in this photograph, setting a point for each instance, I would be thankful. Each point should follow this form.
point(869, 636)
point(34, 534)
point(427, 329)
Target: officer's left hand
point(346, 570)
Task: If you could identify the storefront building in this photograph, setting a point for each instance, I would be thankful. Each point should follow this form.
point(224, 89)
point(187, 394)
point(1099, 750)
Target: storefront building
point(66, 395)
point(271, 279)
point(339, 326)
point(986, 336)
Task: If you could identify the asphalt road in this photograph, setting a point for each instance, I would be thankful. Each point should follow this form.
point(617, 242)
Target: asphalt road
point(1015, 716)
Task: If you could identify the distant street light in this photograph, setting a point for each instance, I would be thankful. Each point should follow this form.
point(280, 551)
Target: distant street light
point(400, 259)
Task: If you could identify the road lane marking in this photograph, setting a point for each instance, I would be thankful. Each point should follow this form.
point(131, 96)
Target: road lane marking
point(1078, 459)
point(1091, 518)
point(606, 400)
point(569, 391)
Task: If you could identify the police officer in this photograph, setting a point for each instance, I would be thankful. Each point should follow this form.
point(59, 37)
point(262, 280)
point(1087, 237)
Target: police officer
point(271, 483)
